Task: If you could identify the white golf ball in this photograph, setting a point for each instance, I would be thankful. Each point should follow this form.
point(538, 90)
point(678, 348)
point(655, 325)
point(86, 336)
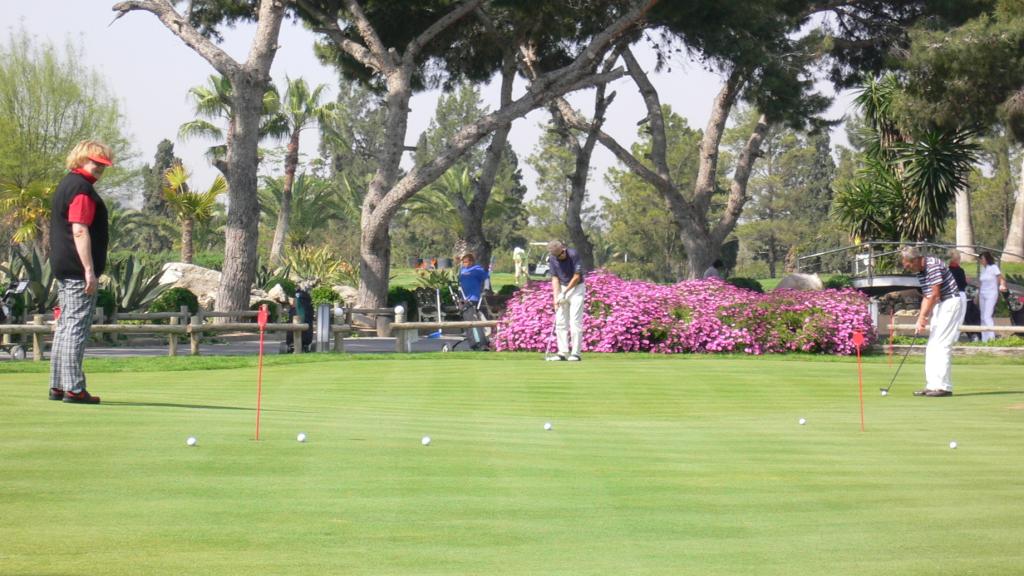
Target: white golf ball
point(953, 444)
point(191, 441)
point(301, 437)
point(802, 421)
point(425, 441)
point(547, 425)
point(885, 392)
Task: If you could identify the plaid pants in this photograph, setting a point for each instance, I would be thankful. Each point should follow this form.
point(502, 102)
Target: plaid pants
point(73, 327)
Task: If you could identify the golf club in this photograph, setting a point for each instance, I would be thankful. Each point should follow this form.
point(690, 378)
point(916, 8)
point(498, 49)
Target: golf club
point(885, 391)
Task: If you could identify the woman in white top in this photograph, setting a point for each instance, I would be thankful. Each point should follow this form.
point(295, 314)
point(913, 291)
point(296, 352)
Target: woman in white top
point(992, 283)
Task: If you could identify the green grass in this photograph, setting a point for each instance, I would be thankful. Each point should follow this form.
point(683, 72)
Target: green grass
point(407, 277)
point(656, 465)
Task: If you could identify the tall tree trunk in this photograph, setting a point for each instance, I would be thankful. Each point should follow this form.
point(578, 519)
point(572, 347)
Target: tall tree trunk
point(1013, 248)
point(249, 81)
point(374, 265)
point(284, 214)
point(187, 226)
point(964, 226)
point(241, 254)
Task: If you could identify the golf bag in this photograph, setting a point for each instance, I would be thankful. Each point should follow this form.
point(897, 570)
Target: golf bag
point(14, 290)
point(1015, 304)
point(303, 308)
point(476, 338)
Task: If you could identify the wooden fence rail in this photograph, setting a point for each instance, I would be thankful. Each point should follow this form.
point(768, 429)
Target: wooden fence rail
point(194, 328)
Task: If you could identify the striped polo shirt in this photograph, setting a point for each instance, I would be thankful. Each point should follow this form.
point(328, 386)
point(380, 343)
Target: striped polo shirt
point(935, 272)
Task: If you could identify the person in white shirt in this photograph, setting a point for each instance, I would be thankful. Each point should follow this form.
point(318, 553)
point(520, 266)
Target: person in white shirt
point(992, 283)
point(518, 255)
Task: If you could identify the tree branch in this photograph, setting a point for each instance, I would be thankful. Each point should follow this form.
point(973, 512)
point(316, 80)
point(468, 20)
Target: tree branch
point(707, 174)
point(369, 34)
point(179, 26)
point(412, 50)
point(656, 120)
point(329, 27)
point(738, 190)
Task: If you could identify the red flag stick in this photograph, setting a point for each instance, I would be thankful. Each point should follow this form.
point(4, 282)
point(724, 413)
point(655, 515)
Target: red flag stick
point(261, 320)
point(858, 341)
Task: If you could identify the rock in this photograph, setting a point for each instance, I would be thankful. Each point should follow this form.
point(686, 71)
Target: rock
point(801, 282)
point(277, 294)
point(202, 282)
point(348, 294)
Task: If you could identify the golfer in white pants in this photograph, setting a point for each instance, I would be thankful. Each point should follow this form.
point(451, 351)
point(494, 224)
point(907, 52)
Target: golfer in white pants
point(569, 293)
point(942, 303)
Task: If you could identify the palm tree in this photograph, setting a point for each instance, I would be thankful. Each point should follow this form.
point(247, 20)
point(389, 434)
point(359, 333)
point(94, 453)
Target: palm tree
point(26, 209)
point(300, 110)
point(314, 204)
point(213, 103)
point(190, 207)
point(908, 179)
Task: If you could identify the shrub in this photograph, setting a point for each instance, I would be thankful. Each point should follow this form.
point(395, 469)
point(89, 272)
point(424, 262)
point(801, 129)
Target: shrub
point(106, 301)
point(172, 300)
point(839, 281)
point(508, 290)
point(288, 285)
point(272, 307)
point(401, 295)
point(747, 284)
point(692, 316)
point(324, 295)
point(214, 260)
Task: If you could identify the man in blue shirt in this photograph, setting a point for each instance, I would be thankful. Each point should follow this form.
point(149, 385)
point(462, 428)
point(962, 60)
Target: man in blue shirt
point(472, 279)
point(566, 269)
point(943, 304)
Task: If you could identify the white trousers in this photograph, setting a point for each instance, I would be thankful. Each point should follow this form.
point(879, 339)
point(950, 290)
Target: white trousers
point(938, 356)
point(987, 303)
point(569, 319)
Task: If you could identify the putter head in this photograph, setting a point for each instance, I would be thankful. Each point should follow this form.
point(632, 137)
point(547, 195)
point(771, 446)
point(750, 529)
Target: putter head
point(884, 391)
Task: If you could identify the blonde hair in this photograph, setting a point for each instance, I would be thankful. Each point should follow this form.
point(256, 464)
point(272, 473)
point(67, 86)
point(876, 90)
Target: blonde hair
point(82, 151)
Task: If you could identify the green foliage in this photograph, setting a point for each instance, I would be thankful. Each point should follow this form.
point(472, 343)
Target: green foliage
point(324, 295)
point(838, 281)
point(214, 260)
point(106, 301)
point(134, 285)
point(172, 300)
point(508, 290)
point(50, 99)
point(639, 225)
point(41, 293)
point(289, 286)
point(907, 181)
point(440, 278)
point(746, 283)
point(404, 296)
point(314, 264)
point(274, 310)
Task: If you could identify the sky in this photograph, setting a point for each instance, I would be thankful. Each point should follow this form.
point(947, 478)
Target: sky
point(150, 70)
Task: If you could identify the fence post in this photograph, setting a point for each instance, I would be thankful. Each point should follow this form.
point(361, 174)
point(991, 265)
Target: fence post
point(37, 339)
point(195, 333)
point(297, 334)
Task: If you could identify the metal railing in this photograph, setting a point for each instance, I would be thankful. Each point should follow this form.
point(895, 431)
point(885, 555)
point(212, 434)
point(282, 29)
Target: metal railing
point(869, 259)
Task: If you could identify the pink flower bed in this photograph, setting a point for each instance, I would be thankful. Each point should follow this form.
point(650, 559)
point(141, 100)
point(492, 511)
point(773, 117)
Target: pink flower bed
point(692, 316)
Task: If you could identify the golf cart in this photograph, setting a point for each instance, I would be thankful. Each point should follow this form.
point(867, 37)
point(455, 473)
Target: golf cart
point(541, 267)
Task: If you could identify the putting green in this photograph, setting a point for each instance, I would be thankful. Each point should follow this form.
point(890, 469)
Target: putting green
point(654, 465)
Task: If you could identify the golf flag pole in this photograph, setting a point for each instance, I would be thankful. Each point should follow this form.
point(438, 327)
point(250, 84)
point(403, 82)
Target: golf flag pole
point(858, 341)
point(261, 321)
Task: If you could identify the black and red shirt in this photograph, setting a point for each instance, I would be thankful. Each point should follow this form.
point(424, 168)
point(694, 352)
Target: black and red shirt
point(76, 201)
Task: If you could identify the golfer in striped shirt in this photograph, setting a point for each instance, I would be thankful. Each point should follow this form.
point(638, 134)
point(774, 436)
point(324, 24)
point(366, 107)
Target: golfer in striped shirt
point(943, 305)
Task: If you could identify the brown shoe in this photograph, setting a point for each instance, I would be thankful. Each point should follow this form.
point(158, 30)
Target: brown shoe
point(56, 394)
point(938, 393)
point(82, 397)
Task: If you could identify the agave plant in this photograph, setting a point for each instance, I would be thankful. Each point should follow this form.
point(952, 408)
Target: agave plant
point(134, 286)
point(41, 294)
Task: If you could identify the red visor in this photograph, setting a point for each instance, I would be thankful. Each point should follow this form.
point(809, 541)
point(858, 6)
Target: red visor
point(101, 160)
